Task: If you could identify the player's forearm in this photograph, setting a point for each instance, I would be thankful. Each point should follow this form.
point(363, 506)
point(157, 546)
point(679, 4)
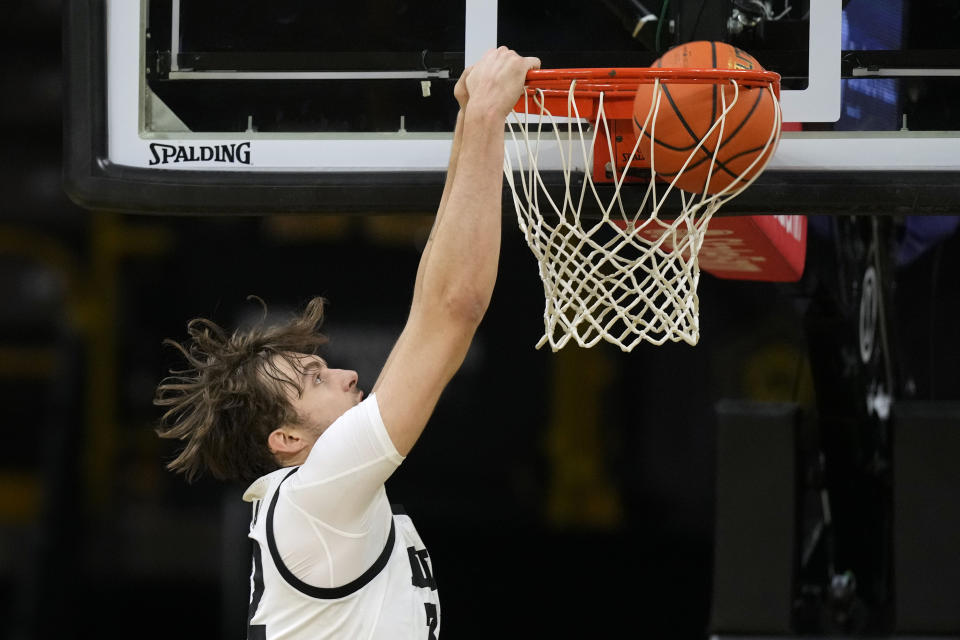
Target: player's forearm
point(448, 184)
point(452, 164)
point(462, 267)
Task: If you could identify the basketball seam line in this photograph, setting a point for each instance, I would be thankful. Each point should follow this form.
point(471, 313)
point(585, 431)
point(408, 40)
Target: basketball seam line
point(671, 147)
point(704, 148)
point(725, 161)
point(692, 135)
point(730, 159)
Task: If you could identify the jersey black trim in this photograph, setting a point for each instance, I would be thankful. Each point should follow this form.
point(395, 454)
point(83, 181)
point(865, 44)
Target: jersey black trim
point(322, 592)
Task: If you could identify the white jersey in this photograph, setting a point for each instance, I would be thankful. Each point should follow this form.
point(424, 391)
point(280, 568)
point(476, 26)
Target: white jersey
point(331, 558)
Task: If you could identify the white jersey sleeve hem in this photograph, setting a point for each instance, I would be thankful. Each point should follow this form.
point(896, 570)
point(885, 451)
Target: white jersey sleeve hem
point(372, 408)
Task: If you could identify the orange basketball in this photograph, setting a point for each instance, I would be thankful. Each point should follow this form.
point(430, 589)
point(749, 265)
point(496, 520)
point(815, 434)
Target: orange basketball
point(687, 111)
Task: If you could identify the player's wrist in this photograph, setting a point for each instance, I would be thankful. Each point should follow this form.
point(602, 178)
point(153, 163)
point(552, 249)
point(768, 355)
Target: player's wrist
point(486, 115)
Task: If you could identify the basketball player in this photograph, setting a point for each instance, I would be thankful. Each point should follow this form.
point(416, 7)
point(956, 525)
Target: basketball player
point(330, 560)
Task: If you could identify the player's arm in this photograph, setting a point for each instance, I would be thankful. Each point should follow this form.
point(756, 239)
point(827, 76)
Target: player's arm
point(459, 267)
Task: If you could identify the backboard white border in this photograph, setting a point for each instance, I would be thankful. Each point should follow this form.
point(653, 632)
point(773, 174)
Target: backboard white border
point(820, 101)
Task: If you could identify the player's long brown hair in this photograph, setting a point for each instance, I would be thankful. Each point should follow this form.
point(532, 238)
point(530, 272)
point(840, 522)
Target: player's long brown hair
point(231, 395)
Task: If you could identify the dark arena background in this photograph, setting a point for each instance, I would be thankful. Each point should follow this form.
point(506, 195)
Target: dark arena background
point(793, 475)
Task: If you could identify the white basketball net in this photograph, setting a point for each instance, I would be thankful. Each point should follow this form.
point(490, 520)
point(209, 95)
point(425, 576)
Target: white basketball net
point(624, 276)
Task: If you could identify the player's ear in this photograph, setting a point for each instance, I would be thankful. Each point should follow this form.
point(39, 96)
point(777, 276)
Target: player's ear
point(285, 441)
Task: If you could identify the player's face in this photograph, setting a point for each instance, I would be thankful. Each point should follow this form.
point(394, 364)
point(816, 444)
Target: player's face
point(327, 393)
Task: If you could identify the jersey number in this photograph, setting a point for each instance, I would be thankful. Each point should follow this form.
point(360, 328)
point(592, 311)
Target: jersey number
point(420, 567)
point(431, 610)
